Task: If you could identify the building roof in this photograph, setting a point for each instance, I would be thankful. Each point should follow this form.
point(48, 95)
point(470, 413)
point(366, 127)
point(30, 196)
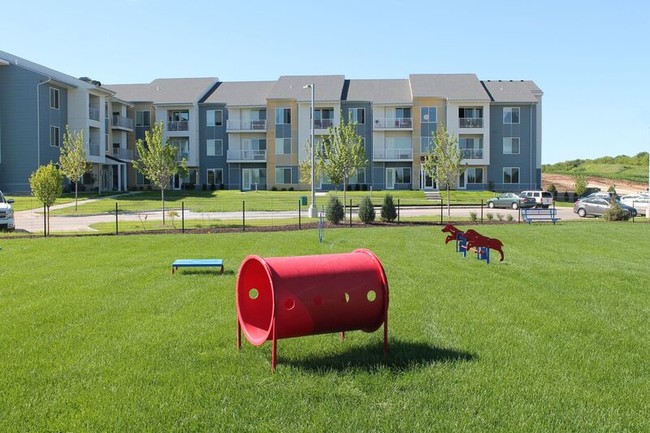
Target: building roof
point(326, 87)
point(458, 87)
point(64, 79)
point(512, 91)
point(165, 90)
point(380, 91)
point(241, 93)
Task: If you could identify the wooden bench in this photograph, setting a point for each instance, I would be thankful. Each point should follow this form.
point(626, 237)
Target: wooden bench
point(197, 263)
point(548, 214)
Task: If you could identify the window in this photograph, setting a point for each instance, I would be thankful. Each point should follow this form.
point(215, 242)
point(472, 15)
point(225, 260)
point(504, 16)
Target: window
point(183, 146)
point(283, 146)
point(358, 177)
point(511, 115)
point(283, 175)
point(511, 145)
point(474, 175)
point(54, 98)
point(510, 174)
point(283, 116)
point(214, 117)
point(357, 115)
point(428, 114)
point(55, 136)
point(215, 147)
point(323, 118)
point(403, 113)
point(143, 118)
point(215, 176)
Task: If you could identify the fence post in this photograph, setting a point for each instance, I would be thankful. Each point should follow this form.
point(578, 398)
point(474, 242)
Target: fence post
point(397, 211)
point(481, 211)
point(441, 208)
point(183, 217)
point(117, 227)
point(350, 212)
point(299, 216)
point(243, 215)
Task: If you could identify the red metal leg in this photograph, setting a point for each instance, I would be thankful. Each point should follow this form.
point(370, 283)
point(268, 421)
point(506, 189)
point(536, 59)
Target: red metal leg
point(274, 350)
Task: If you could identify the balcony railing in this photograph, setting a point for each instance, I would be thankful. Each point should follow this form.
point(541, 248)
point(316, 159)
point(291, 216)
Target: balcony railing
point(122, 122)
point(178, 125)
point(381, 154)
point(246, 155)
point(323, 123)
point(93, 112)
point(471, 153)
point(399, 123)
point(246, 125)
point(470, 122)
point(125, 154)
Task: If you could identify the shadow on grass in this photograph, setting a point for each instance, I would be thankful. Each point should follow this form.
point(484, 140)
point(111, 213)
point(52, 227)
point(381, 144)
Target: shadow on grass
point(206, 272)
point(402, 356)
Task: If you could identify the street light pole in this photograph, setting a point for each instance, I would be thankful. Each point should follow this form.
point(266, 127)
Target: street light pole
point(313, 211)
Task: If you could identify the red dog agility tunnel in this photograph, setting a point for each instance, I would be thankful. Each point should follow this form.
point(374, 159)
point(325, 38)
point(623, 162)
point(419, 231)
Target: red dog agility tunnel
point(284, 297)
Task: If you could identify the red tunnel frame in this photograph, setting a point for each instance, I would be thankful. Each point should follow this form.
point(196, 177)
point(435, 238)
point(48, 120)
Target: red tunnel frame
point(286, 297)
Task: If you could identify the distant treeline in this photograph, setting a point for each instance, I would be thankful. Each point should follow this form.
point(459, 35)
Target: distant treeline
point(633, 168)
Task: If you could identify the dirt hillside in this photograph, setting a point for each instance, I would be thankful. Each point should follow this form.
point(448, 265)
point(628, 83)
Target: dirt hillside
point(567, 183)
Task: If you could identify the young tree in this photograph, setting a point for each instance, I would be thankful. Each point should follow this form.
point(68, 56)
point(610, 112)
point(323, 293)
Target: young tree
point(388, 211)
point(305, 166)
point(73, 161)
point(580, 184)
point(343, 153)
point(47, 185)
point(158, 161)
point(442, 162)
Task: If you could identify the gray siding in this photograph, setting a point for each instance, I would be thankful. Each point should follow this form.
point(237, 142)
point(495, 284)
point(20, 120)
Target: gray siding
point(21, 152)
point(209, 133)
point(526, 160)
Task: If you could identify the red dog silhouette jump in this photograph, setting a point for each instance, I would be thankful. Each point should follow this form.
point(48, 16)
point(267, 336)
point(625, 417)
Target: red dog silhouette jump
point(474, 239)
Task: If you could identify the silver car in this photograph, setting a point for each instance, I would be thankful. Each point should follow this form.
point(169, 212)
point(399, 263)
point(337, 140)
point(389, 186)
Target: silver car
point(596, 206)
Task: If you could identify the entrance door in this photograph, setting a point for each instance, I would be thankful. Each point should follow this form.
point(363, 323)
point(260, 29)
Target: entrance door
point(177, 183)
point(426, 181)
point(390, 178)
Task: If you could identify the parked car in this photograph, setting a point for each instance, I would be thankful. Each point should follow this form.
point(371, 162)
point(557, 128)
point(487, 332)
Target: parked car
point(596, 206)
point(6, 214)
point(511, 200)
point(542, 198)
point(637, 201)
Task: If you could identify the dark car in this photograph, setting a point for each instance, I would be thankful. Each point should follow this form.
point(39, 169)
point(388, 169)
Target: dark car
point(596, 206)
point(511, 200)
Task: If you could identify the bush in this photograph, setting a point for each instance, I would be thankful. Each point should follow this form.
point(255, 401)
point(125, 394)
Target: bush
point(274, 188)
point(500, 217)
point(510, 218)
point(334, 212)
point(366, 211)
point(489, 217)
point(615, 213)
point(553, 190)
point(388, 211)
point(473, 217)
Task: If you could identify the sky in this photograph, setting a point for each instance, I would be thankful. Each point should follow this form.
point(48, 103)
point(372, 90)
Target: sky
point(590, 58)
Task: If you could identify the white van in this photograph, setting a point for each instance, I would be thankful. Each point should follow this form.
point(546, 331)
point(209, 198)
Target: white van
point(6, 214)
point(542, 198)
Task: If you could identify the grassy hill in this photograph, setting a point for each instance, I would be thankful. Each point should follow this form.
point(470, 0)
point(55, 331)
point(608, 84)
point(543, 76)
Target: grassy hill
point(622, 167)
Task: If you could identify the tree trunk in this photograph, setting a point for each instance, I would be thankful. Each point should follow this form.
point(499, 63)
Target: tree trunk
point(448, 203)
point(76, 188)
point(162, 195)
point(345, 181)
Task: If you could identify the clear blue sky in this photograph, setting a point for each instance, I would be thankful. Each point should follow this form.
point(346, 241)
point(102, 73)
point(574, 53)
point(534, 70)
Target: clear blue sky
point(591, 58)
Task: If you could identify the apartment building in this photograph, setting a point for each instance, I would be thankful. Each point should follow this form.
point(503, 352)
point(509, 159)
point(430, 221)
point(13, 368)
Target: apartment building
point(254, 135)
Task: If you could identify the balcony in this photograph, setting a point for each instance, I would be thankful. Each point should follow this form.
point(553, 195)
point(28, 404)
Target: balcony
point(471, 153)
point(246, 125)
point(93, 112)
point(178, 125)
point(466, 122)
point(122, 122)
point(392, 154)
point(394, 123)
point(123, 154)
point(236, 155)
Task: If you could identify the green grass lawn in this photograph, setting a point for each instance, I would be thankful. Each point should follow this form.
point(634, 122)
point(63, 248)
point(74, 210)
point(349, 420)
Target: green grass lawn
point(98, 335)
